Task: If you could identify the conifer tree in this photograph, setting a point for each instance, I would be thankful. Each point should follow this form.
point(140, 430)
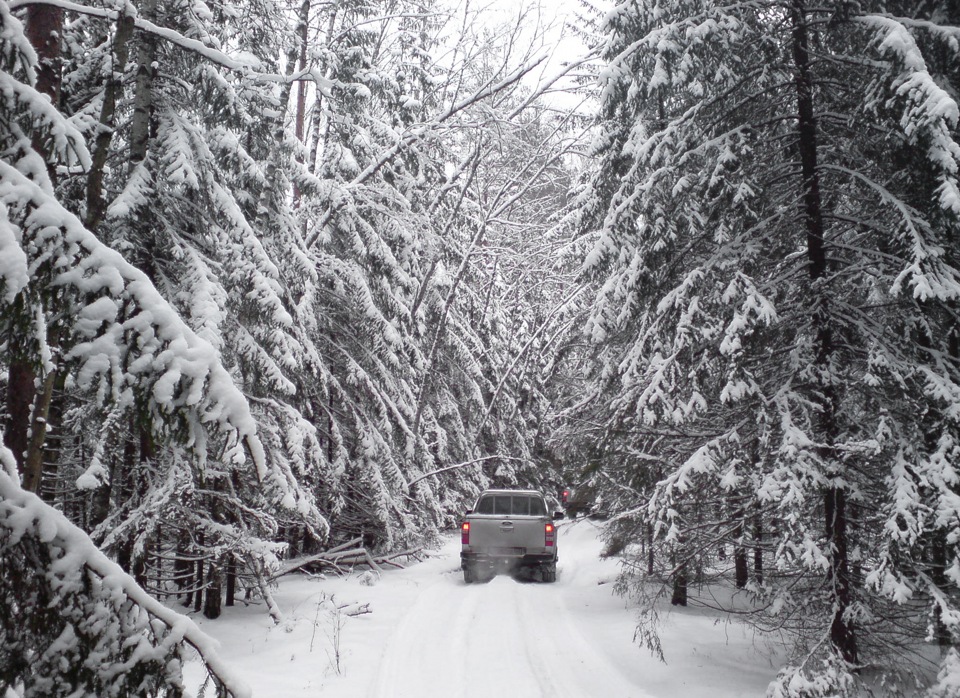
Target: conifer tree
point(775, 208)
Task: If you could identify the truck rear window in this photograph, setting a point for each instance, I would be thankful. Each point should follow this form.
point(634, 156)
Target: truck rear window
point(511, 505)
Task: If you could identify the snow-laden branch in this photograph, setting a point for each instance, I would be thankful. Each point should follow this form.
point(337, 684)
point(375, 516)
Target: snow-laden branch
point(523, 350)
point(14, 270)
point(544, 87)
point(24, 515)
point(246, 65)
point(930, 112)
point(422, 130)
point(127, 335)
point(458, 466)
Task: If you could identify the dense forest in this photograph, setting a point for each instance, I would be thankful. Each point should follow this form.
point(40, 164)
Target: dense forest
point(282, 277)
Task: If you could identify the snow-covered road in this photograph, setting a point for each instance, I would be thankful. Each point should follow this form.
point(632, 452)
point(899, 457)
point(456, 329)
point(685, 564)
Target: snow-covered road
point(431, 635)
point(502, 638)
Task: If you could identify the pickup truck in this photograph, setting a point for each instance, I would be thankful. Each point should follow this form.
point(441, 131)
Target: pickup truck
point(509, 530)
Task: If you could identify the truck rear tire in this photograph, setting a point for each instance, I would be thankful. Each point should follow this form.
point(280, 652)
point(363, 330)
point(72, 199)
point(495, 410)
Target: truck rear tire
point(469, 575)
point(549, 572)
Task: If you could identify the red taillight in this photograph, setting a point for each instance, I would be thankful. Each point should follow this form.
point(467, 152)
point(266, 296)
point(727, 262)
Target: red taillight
point(548, 535)
point(465, 533)
point(566, 494)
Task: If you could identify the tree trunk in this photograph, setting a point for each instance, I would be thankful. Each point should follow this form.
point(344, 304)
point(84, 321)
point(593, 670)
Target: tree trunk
point(679, 597)
point(741, 573)
point(303, 33)
point(650, 556)
point(100, 504)
point(20, 392)
point(842, 633)
point(198, 582)
point(33, 461)
point(52, 484)
point(44, 29)
point(317, 118)
point(938, 568)
point(39, 420)
point(758, 548)
point(213, 600)
point(231, 581)
point(139, 485)
point(182, 568)
point(96, 206)
point(140, 563)
point(143, 95)
point(123, 483)
point(740, 567)
point(270, 192)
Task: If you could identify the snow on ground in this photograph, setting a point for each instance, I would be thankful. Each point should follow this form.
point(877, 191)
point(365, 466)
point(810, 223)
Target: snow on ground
point(430, 635)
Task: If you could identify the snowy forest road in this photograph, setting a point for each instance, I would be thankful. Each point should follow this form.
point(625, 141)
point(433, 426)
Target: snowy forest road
point(427, 635)
point(503, 638)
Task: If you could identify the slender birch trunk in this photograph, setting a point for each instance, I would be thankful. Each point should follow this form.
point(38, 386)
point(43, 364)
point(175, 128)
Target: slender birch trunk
point(303, 33)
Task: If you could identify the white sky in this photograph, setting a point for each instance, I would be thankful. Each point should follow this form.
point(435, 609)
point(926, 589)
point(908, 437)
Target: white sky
point(562, 44)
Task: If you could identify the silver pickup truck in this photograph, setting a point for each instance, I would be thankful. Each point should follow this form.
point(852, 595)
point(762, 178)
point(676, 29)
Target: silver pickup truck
point(509, 530)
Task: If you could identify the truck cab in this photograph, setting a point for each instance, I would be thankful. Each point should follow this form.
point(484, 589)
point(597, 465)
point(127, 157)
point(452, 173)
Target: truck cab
point(509, 531)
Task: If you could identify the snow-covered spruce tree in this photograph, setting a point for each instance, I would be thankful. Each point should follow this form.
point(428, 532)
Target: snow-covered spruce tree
point(776, 329)
point(363, 243)
point(390, 214)
point(519, 289)
point(500, 299)
point(251, 281)
point(157, 491)
point(73, 623)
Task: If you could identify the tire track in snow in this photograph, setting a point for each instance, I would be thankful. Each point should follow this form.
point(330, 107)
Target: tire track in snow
point(426, 655)
point(540, 647)
point(501, 638)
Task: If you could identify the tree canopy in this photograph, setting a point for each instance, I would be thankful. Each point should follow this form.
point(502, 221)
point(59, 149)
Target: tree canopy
point(279, 278)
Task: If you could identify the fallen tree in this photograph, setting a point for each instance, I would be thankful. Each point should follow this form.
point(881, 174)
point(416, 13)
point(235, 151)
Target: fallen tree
point(344, 558)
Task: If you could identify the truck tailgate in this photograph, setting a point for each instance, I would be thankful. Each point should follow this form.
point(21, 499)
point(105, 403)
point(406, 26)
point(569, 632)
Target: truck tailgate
point(506, 535)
